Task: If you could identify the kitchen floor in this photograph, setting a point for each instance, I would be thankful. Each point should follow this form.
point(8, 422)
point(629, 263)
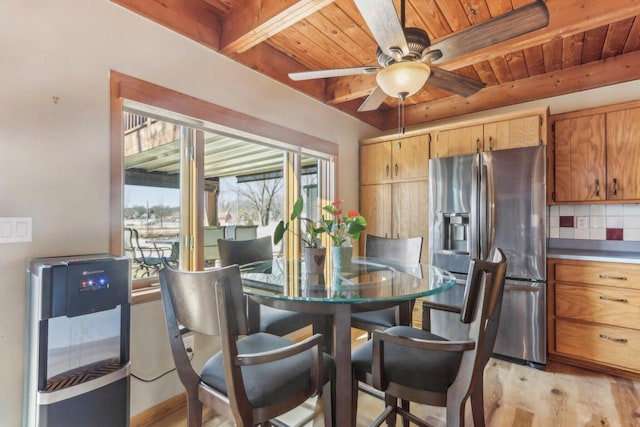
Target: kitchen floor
point(515, 395)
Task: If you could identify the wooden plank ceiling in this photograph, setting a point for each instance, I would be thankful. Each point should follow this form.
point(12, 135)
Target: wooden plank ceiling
point(587, 44)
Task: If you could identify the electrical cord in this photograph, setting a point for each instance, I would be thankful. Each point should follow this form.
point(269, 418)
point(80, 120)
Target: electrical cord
point(145, 380)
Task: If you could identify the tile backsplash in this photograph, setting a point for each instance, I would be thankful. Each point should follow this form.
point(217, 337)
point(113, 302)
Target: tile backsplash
point(594, 222)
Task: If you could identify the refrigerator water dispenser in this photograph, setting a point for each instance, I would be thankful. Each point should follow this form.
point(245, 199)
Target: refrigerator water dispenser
point(456, 232)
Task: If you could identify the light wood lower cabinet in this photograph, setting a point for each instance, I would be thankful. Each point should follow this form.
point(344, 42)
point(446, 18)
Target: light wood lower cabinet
point(396, 211)
point(594, 315)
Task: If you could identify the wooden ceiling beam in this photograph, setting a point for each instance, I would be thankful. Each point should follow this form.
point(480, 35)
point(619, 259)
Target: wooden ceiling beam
point(254, 21)
point(348, 88)
point(195, 20)
point(565, 18)
point(268, 61)
point(276, 65)
point(618, 69)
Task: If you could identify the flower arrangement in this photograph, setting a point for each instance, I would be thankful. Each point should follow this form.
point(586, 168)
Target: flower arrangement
point(342, 227)
point(311, 230)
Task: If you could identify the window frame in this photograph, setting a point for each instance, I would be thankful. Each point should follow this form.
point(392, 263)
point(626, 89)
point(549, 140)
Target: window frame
point(124, 89)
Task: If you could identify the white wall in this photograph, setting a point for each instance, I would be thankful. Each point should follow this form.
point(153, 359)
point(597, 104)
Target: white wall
point(54, 157)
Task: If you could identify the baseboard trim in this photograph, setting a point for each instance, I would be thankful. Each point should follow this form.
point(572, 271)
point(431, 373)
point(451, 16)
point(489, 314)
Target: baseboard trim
point(159, 411)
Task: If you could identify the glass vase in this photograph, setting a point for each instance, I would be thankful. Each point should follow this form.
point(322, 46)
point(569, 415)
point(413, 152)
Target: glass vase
point(341, 257)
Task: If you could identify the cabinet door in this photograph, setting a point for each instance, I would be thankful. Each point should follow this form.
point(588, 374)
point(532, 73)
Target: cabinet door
point(410, 212)
point(515, 133)
point(455, 142)
point(623, 154)
point(410, 157)
point(580, 159)
point(375, 163)
point(375, 206)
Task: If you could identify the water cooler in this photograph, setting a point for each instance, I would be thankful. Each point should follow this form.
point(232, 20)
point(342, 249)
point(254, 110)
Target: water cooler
point(77, 342)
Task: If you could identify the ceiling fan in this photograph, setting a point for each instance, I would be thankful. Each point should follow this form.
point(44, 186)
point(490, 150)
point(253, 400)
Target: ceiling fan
point(406, 55)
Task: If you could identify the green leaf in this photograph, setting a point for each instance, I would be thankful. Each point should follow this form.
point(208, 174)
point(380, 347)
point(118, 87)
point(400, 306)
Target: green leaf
point(297, 209)
point(278, 233)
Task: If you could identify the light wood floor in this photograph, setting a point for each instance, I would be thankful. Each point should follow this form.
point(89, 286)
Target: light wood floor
point(515, 395)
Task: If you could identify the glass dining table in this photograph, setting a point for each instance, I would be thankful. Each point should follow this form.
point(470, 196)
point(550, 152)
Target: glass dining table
point(369, 284)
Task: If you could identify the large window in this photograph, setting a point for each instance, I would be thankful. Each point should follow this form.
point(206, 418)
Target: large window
point(185, 182)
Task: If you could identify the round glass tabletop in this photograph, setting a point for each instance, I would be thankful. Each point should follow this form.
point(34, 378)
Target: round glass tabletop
point(368, 280)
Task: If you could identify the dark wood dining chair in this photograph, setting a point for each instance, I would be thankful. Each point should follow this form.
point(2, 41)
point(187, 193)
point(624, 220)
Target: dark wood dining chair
point(261, 317)
point(418, 366)
point(255, 377)
point(406, 250)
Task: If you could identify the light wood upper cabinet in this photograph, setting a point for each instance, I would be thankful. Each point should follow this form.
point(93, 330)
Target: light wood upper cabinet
point(410, 157)
point(375, 163)
point(456, 142)
point(595, 155)
point(580, 159)
point(514, 133)
point(623, 154)
point(505, 134)
point(404, 159)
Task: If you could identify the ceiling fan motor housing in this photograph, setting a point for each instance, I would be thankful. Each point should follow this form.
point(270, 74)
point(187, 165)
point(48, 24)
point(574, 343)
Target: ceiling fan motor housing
point(417, 41)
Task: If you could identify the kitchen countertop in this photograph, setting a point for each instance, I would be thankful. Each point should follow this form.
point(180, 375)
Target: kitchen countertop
point(593, 250)
point(595, 255)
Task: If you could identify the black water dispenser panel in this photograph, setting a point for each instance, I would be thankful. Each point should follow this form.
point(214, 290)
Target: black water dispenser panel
point(77, 372)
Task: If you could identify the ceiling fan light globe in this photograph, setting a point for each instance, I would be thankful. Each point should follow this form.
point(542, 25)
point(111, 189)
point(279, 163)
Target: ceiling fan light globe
point(403, 78)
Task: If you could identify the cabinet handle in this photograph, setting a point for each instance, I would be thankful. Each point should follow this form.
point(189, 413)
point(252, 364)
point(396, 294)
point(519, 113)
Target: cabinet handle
point(396, 169)
point(615, 186)
point(490, 143)
point(478, 145)
point(606, 337)
point(606, 276)
point(399, 145)
point(387, 170)
point(606, 298)
point(597, 188)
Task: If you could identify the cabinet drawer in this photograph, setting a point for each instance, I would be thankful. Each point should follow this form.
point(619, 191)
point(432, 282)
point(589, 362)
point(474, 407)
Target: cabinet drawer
point(610, 305)
point(603, 344)
point(610, 274)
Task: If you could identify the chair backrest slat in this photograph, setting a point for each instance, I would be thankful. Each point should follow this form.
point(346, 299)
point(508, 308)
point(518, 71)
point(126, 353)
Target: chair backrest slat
point(407, 250)
point(194, 298)
point(244, 251)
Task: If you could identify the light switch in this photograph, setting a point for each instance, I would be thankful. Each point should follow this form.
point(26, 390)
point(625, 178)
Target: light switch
point(6, 229)
point(15, 230)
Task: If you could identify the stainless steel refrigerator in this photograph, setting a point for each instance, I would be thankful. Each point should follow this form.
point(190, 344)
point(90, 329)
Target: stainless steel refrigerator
point(486, 200)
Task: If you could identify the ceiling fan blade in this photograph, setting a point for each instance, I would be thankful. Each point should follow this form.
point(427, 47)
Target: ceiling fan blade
point(519, 21)
point(374, 100)
point(454, 83)
point(383, 22)
point(335, 72)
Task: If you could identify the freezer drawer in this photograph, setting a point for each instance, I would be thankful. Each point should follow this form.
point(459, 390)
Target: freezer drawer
point(522, 333)
point(523, 322)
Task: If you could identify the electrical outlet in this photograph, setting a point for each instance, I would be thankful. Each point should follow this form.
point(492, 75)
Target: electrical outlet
point(189, 343)
point(582, 222)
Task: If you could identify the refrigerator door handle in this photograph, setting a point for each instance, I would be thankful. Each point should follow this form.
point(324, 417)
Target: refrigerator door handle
point(485, 213)
point(522, 288)
point(475, 229)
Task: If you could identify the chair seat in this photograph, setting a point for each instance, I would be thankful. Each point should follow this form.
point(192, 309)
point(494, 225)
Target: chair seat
point(270, 382)
point(282, 322)
point(420, 369)
point(385, 318)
